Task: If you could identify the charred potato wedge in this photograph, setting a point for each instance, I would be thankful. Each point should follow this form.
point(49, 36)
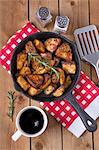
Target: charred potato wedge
point(39, 45)
point(68, 81)
point(69, 67)
point(52, 63)
point(46, 55)
point(57, 60)
point(33, 91)
point(47, 81)
point(51, 44)
point(59, 91)
point(49, 89)
point(36, 65)
point(64, 52)
point(61, 76)
point(29, 47)
point(25, 71)
point(35, 80)
point(41, 71)
point(54, 78)
point(23, 83)
point(26, 64)
point(21, 58)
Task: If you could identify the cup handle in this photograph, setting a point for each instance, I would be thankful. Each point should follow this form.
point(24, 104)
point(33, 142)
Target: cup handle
point(16, 135)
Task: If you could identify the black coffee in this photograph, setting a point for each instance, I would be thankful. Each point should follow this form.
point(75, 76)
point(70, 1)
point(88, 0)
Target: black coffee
point(31, 121)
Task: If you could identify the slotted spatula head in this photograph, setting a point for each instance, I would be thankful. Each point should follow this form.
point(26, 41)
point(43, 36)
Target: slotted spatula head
point(87, 40)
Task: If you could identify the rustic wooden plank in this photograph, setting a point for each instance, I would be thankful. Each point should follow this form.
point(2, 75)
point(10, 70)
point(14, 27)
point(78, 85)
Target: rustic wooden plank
point(53, 7)
point(77, 11)
point(51, 139)
point(94, 19)
point(13, 14)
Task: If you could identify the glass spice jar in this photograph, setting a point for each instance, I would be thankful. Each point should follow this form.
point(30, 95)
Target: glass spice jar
point(44, 16)
point(61, 24)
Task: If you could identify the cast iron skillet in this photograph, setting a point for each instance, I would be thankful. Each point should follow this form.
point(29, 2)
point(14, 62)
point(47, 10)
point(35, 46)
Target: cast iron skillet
point(89, 123)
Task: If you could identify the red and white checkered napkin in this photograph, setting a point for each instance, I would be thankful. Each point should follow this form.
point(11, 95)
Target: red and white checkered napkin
point(86, 93)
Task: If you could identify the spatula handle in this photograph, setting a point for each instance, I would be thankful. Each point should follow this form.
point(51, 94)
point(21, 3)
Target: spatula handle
point(97, 68)
point(88, 122)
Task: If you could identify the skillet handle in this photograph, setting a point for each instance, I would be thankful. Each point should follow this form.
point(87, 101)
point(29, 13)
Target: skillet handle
point(89, 123)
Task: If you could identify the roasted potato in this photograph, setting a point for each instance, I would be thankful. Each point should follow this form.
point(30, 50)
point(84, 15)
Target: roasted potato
point(61, 76)
point(68, 81)
point(36, 65)
point(39, 45)
point(33, 91)
point(23, 83)
point(58, 92)
point(41, 71)
point(21, 58)
point(64, 52)
point(54, 78)
point(26, 64)
point(52, 43)
point(25, 71)
point(46, 55)
point(57, 60)
point(49, 89)
point(52, 63)
point(69, 67)
point(35, 80)
point(29, 47)
point(47, 81)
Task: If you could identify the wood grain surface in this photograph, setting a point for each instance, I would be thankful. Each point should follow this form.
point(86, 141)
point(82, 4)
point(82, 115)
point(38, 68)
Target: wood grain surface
point(14, 14)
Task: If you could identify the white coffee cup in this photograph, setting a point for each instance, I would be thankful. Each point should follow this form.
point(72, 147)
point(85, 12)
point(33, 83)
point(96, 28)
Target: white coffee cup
point(20, 132)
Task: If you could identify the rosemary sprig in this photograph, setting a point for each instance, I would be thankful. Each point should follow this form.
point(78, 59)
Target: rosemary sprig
point(30, 56)
point(44, 63)
point(11, 98)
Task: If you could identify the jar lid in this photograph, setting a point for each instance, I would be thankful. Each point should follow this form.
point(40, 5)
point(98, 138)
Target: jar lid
point(62, 21)
point(43, 13)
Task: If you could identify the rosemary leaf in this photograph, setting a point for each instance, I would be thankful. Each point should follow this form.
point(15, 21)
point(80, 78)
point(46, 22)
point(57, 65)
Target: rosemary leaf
point(43, 62)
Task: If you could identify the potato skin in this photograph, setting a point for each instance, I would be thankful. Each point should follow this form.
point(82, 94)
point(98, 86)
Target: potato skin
point(49, 89)
point(41, 71)
point(29, 47)
point(61, 76)
point(23, 83)
point(25, 71)
point(36, 65)
point(64, 52)
point(52, 43)
point(26, 63)
point(68, 81)
point(35, 80)
point(58, 92)
point(39, 45)
point(21, 58)
point(54, 78)
point(57, 60)
point(46, 55)
point(32, 91)
point(47, 81)
point(69, 67)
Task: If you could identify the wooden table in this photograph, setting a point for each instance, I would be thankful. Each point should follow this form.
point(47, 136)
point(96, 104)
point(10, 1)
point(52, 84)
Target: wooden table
point(14, 14)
